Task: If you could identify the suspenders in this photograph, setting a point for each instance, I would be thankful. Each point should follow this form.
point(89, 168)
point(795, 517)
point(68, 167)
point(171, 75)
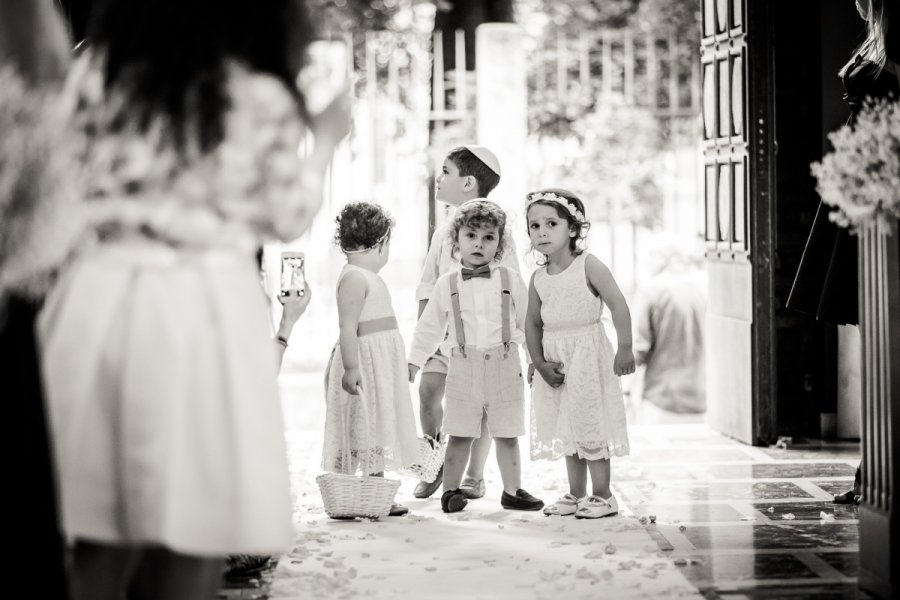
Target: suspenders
point(504, 310)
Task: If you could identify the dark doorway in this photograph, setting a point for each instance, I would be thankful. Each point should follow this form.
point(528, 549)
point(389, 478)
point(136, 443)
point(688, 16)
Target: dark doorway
point(812, 40)
point(76, 13)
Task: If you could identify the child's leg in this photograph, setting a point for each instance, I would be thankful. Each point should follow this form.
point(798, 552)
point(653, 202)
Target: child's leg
point(600, 477)
point(168, 575)
point(455, 461)
point(577, 470)
point(480, 451)
point(101, 571)
point(601, 502)
point(509, 461)
point(431, 392)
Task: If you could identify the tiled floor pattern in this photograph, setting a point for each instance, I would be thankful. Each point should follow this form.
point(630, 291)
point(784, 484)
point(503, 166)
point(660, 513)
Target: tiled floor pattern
point(747, 522)
point(737, 521)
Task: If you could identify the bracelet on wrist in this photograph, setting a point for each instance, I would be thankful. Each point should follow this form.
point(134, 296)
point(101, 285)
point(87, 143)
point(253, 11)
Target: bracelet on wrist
point(281, 340)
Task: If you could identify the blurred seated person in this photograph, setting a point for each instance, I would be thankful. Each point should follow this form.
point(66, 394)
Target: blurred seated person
point(669, 322)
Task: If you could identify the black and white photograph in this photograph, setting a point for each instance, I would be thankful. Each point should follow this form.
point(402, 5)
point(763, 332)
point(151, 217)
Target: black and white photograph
point(487, 299)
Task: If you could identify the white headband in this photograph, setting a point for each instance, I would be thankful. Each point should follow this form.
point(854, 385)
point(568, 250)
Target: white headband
point(358, 250)
point(561, 200)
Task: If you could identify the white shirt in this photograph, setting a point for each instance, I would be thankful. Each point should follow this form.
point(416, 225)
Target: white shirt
point(440, 259)
point(480, 301)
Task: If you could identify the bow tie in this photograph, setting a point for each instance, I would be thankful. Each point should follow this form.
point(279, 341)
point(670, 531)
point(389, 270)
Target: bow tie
point(482, 271)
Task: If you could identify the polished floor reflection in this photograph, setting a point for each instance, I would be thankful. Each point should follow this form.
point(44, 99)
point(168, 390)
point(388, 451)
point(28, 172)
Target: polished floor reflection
point(701, 516)
point(746, 522)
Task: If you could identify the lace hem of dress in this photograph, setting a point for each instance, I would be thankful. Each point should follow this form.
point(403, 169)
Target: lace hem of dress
point(585, 450)
point(367, 462)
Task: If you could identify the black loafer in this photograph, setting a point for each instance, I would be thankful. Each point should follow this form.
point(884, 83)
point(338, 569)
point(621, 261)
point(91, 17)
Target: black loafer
point(521, 501)
point(453, 501)
point(845, 498)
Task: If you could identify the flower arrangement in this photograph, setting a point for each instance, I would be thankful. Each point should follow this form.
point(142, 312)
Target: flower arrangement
point(861, 177)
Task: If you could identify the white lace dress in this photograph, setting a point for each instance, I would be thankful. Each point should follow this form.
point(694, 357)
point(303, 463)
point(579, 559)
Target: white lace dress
point(586, 415)
point(159, 365)
point(376, 430)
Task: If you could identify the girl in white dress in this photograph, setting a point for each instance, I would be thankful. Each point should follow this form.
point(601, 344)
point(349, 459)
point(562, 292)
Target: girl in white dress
point(158, 361)
point(369, 421)
point(577, 406)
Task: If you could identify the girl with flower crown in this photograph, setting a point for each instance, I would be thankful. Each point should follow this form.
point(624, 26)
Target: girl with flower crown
point(578, 410)
point(369, 421)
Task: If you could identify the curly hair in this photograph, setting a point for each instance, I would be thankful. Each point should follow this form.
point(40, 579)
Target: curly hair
point(362, 225)
point(153, 52)
point(469, 164)
point(478, 214)
point(580, 227)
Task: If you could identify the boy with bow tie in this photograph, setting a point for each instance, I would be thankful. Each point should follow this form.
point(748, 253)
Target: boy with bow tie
point(468, 173)
point(485, 306)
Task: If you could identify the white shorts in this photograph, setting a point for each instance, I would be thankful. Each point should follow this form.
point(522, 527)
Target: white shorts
point(488, 382)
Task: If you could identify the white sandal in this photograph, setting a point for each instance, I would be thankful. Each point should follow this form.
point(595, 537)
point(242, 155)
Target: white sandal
point(594, 507)
point(565, 506)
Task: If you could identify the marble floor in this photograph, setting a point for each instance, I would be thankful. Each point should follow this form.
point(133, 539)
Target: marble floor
point(701, 516)
point(746, 522)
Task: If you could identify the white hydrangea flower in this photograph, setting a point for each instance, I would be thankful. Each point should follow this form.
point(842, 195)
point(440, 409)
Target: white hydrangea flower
point(861, 177)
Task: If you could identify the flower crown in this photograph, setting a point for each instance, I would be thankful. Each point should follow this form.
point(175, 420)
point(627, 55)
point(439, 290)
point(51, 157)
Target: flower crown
point(561, 200)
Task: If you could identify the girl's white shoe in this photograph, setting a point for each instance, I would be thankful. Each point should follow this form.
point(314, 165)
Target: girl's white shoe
point(565, 506)
point(594, 507)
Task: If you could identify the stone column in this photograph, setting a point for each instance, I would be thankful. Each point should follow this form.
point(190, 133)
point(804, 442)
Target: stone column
point(879, 517)
point(502, 114)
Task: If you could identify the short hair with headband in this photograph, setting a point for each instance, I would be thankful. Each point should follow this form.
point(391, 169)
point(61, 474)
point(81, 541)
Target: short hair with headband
point(362, 226)
point(569, 207)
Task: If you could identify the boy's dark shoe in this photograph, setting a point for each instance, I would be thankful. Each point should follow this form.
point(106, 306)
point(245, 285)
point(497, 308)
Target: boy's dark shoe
point(453, 501)
point(845, 498)
point(425, 489)
point(521, 501)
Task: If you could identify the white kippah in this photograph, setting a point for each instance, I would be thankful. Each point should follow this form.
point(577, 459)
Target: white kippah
point(485, 156)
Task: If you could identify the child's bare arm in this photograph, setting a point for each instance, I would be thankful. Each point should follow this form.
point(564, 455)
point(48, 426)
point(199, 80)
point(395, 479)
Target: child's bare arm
point(534, 339)
point(351, 295)
point(644, 335)
point(430, 270)
point(602, 281)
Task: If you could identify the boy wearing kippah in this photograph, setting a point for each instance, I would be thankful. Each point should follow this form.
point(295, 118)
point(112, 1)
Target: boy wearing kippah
point(468, 173)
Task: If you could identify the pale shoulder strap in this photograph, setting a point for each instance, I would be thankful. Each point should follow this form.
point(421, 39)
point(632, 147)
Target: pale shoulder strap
point(457, 314)
point(504, 306)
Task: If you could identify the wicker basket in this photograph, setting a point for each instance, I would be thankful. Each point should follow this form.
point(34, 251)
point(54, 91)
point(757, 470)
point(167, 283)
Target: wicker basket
point(347, 496)
point(432, 452)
